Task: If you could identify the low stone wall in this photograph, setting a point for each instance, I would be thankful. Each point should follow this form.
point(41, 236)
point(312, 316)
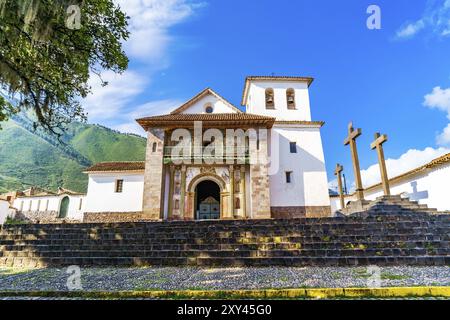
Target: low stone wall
point(90, 217)
point(300, 212)
point(42, 217)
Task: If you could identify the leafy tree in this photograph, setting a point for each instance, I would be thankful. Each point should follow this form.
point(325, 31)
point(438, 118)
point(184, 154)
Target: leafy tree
point(48, 51)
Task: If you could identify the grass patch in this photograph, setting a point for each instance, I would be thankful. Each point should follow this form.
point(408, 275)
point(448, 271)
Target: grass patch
point(316, 293)
point(391, 276)
point(11, 221)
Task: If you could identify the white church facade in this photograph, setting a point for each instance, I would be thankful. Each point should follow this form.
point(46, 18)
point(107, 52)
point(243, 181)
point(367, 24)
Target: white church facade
point(209, 160)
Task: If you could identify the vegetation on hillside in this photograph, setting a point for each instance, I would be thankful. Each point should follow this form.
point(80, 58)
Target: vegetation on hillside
point(30, 157)
point(48, 51)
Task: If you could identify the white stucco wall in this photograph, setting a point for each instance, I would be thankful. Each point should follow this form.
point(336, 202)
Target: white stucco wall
point(256, 101)
point(309, 186)
point(218, 106)
point(430, 188)
point(101, 195)
point(52, 203)
point(4, 211)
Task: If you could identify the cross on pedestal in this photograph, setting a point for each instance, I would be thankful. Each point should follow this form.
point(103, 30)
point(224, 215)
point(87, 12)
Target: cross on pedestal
point(378, 144)
point(338, 172)
point(351, 140)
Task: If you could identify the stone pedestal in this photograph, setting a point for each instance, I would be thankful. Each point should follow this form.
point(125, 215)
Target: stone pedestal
point(356, 206)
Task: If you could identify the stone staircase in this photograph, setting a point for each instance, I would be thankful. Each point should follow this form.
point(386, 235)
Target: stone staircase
point(386, 205)
point(382, 238)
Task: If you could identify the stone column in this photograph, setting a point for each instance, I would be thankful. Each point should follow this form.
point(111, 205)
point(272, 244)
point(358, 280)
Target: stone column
point(170, 197)
point(259, 176)
point(242, 188)
point(224, 205)
point(183, 191)
point(190, 210)
point(153, 175)
point(232, 182)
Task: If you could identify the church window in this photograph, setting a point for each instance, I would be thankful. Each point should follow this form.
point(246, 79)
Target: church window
point(293, 147)
point(119, 186)
point(270, 99)
point(154, 147)
point(290, 97)
point(209, 109)
point(238, 203)
point(288, 176)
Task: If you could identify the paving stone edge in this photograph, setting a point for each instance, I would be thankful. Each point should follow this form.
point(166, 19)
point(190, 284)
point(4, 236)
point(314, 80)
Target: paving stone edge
point(322, 293)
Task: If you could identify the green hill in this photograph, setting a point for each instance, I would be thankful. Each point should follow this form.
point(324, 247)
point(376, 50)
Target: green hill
point(29, 157)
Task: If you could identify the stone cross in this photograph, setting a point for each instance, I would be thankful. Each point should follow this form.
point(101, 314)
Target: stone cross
point(338, 172)
point(351, 140)
point(378, 144)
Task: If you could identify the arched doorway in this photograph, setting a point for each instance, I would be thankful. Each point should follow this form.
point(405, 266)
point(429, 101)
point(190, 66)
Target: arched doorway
point(64, 207)
point(207, 200)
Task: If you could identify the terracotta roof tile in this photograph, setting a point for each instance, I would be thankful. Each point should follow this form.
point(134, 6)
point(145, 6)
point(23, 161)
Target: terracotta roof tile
point(216, 119)
point(117, 166)
point(300, 122)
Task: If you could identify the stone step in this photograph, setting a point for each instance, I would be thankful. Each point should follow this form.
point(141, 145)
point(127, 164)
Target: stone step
point(255, 246)
point(229, 253)
point(231, 233)
point(386, 239)
point(237, 240)
point(226, 224)
point(221, 262)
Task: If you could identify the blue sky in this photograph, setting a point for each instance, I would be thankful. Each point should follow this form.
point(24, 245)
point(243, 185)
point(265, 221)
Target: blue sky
point(395, 80)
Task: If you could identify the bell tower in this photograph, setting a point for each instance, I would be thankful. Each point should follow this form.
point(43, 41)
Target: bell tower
point(285, 98)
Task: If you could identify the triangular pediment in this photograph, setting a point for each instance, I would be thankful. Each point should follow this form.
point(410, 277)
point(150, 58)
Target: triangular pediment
point(207, 97)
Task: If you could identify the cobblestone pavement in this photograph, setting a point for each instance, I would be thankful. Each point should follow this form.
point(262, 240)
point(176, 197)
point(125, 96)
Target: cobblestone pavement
point(173, 278)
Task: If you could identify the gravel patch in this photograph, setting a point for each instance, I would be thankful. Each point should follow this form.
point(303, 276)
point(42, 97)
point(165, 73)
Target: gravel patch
point(182, 278)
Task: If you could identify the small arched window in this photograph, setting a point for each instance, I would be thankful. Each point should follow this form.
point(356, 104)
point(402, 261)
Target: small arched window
point(270, 99)
point(177, 204)
point(290, 97)
point(154, 147)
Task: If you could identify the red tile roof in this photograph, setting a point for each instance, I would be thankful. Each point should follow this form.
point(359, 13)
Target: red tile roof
point(211, 119)
point(117, 166)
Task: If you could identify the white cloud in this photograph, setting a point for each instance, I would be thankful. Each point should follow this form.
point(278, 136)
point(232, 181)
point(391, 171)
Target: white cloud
point(439, 99)
point(409, 160)
point(410, 29)
point(436, 19)
point(107, 102)
point(149, 25)
point(333, 185)
point(443, 139)
point(145, 110)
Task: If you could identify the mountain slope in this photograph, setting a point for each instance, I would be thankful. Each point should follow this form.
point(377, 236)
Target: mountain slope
point(35, 158)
